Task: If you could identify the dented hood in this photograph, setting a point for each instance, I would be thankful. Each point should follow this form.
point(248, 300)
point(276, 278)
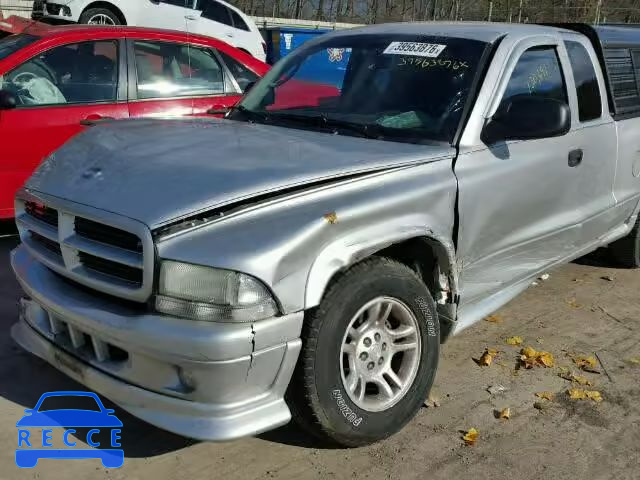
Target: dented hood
point(157, 171)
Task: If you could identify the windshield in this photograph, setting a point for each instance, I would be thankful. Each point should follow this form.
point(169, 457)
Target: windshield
point(13, 43)
point(390, 87)
point(69, 402)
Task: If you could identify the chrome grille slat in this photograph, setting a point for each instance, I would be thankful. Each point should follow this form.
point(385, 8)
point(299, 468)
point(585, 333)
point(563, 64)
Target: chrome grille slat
point(34, 225)
point(113, 254)
point(98, 249)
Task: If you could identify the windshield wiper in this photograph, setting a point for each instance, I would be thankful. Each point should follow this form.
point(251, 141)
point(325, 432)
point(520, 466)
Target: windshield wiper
point(365, 130)
point(249, 114)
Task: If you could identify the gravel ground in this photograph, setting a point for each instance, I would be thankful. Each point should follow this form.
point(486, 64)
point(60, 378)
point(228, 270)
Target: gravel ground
point(581, 308)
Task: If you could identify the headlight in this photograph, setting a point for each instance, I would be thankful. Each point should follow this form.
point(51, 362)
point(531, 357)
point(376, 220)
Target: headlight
point(212, 294)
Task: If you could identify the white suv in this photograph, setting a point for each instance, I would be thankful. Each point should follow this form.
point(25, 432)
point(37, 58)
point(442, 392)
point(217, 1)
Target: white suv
point(214, 18)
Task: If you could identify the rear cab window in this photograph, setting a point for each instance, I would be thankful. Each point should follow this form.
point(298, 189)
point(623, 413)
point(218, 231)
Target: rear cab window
point(587, 87)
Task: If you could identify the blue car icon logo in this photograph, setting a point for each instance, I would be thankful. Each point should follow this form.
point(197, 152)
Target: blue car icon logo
point(54, 409)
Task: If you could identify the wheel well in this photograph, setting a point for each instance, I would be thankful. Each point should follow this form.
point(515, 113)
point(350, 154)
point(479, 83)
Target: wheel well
point(108, 6)
point(433, 263)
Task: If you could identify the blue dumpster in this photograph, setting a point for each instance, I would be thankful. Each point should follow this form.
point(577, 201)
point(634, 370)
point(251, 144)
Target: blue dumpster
point(283, 40)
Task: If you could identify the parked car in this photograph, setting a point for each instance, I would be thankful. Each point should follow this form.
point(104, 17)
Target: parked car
point(56, 81)
point(310, 259)
point(214, 18)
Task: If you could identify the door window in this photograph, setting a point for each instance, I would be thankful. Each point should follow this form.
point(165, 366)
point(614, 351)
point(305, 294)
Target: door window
point(166, 70)
point(589, 100)
point(215, 11)
point(179, 3)
point(238, 22)
point(242, 74)
point(71, 74)
point(537, 73)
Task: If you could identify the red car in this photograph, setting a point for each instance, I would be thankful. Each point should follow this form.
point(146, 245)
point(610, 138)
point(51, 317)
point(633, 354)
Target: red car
point(58, 80)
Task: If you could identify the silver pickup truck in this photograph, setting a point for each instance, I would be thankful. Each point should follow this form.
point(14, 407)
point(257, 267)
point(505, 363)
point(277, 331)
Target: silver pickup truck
point(378, 191)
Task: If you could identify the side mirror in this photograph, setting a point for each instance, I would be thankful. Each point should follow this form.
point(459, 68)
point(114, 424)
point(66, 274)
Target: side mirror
point(7, 100)
point(526, 118)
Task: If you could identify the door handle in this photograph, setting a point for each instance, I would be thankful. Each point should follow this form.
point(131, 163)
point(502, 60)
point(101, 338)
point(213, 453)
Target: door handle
point(575, 157)
point(92, 120)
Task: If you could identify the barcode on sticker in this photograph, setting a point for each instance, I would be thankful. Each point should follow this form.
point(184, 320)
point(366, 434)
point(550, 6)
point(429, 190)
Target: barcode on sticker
point(431, 50)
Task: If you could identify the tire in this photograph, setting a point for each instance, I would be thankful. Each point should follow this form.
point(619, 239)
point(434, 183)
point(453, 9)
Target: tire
point(317, 396)
point(626, 251)
point(91, 16)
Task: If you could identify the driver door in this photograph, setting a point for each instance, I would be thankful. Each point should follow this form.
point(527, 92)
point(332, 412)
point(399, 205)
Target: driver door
point(60, 92)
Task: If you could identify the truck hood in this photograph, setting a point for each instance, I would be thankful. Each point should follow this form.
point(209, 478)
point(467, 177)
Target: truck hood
point(158, 171)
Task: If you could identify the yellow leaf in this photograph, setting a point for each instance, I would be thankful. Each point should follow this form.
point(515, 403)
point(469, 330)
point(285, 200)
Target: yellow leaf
point(582, 361)
point(514, 340)
point(576, 394)
point(581, 380)
point(471, 436)
point(546, 395)
point(594, 395)
point(485, 359)
point(635, 360)
point(505, 413)
point(530, 357)
point(492, 351)
point(546, 359)
point(331, 217)
point(493, 319)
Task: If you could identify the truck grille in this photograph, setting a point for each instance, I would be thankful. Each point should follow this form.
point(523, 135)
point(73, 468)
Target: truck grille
point(109, 235)
point(105, 257)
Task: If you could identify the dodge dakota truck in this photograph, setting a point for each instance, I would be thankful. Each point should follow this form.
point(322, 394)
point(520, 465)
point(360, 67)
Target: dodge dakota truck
point(305, 259)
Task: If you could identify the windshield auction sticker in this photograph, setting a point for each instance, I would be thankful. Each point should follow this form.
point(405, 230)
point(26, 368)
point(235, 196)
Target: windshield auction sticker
point(431, 50)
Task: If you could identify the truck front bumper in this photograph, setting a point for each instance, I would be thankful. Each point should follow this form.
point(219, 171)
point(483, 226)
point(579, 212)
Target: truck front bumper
point(205, 380)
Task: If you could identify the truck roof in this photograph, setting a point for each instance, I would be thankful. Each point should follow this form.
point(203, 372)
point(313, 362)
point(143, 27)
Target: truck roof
point(482, 31)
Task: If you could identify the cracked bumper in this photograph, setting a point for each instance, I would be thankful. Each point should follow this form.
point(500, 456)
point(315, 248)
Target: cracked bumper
point(210, 381)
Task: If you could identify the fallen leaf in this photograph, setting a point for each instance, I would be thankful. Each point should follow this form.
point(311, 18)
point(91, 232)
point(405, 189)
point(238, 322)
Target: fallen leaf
point(485, 359)
point(432, 401)
point(594, 395)
point(562, 370)
point(546, 395)
point(529, 358)
point(505, 413)
point(582, 380)
point(540, 340)
point(576, 394)
point(575, 378)
point(573, 304)
point(546, 359)
point(493, 319)
point(635, 360)
point(608, 278)
point(471, 436)
point(492, 351)
point(580, 394)
point(586, 363)
point(517, 340)
point(331, 217)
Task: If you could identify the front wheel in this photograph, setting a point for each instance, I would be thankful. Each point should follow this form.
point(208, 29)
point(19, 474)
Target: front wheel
point(369, 356)
point(99, 16)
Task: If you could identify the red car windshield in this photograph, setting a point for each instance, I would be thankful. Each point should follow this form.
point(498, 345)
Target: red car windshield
point(13, 43)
